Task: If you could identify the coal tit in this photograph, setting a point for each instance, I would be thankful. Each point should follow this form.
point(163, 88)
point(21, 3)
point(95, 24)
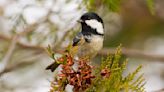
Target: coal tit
point(92, 33)
point(90, 39)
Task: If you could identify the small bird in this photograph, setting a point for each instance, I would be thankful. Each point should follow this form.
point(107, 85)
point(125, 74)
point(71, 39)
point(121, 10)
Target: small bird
point(90, 40)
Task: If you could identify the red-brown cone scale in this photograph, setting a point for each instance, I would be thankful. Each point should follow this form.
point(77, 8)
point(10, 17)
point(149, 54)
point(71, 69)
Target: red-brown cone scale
point(80, 79)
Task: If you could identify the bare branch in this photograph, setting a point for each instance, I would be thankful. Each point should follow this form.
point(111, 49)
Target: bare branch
point(128, 52)
point(133, 53)
point(25, 62)
point(5, 61)
point(8, 55)
point(16, 66)
point(161, 90)
point(22, 44)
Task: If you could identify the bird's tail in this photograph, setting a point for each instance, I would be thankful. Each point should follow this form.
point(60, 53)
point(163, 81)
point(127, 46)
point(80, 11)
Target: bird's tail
point(71, 50)
point(52, 66)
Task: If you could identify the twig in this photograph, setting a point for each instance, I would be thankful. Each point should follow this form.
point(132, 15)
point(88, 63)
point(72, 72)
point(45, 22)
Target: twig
point(133, 53)
point(5, 61)
point(128, 52)
point(14, 41)
point(8, 55)
point(23, 63)
point(161, 90)
point(16, 66)
point(3, 37)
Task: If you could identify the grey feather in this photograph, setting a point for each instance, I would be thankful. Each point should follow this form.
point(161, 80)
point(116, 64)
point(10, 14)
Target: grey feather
point(79, 36)
point(77, 39)
point(87, 38)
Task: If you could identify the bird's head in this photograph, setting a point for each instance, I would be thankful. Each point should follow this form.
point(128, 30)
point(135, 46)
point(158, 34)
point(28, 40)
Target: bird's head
point(92, 23)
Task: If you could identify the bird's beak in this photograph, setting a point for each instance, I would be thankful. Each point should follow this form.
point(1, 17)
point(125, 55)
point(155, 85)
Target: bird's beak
point(79, 21)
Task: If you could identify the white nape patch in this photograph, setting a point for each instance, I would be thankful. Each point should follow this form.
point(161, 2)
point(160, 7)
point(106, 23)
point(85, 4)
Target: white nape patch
point(95, 25)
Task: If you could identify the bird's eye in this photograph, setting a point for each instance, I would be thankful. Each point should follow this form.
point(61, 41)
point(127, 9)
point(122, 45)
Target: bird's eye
point(88, 18)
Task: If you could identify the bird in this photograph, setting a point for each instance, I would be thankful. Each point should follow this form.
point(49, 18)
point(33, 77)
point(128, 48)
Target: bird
point(89, 41)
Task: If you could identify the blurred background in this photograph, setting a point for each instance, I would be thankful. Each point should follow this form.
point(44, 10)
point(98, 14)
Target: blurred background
point(28, 26)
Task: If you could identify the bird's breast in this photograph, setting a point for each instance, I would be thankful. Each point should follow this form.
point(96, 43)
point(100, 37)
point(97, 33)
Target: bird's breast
point(90, 49)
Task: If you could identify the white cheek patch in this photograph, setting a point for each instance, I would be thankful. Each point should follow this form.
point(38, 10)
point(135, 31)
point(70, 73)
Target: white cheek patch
point(95, 25)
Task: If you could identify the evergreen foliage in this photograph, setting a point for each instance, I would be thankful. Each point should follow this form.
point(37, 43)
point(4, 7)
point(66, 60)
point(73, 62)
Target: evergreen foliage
point(108, 77)
point(115, 82)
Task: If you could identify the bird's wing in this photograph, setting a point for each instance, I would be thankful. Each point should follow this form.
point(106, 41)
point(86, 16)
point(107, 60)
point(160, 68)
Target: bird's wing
point(78, 40)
